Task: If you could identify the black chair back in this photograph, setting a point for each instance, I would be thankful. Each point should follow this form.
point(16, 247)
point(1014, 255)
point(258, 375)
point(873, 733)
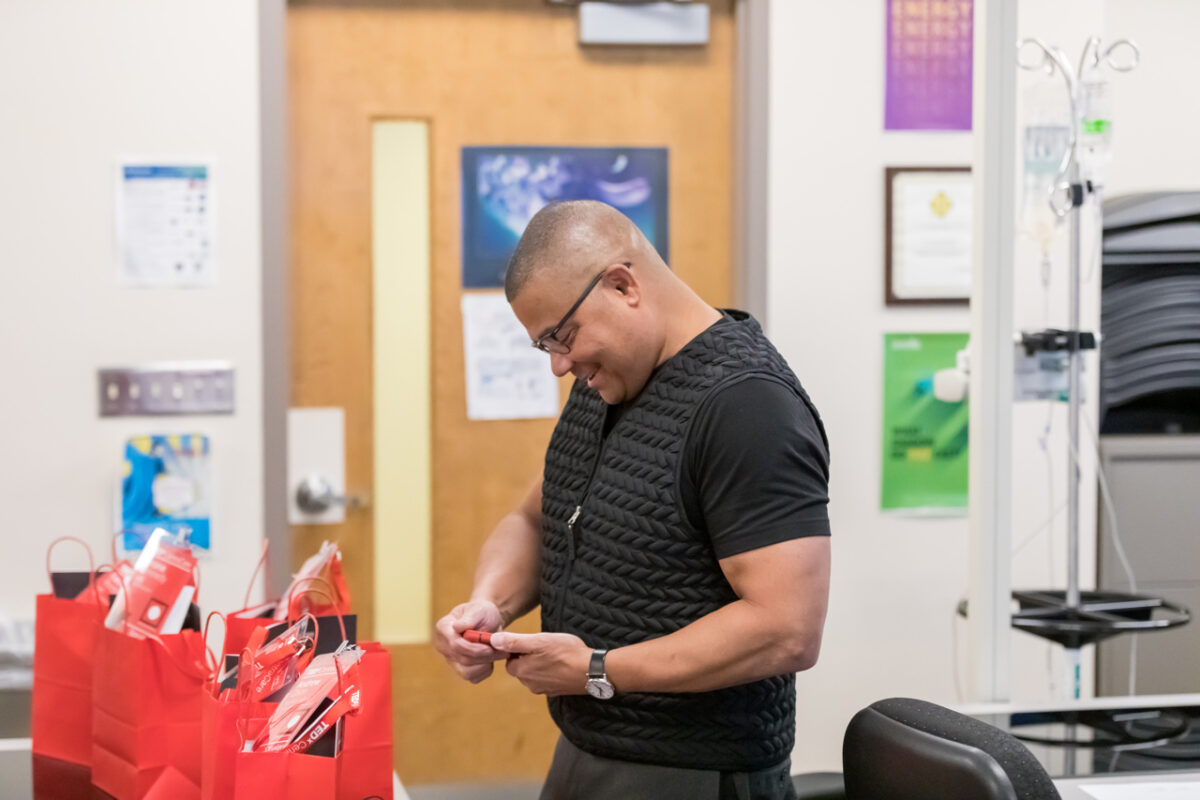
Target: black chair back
point(904, 749)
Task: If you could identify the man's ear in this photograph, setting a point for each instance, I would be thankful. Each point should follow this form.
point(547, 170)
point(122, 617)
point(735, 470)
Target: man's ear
point(621, 278)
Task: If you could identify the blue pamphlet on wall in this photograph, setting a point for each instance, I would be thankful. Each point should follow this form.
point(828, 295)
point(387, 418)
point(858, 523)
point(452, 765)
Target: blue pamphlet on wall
point(166, 485)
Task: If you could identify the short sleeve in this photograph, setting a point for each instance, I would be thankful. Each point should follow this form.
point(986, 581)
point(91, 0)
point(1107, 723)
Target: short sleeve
point(755, 470)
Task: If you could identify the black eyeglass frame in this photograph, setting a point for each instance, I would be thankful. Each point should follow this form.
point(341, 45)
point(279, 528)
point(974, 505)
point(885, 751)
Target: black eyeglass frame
point(546, 342)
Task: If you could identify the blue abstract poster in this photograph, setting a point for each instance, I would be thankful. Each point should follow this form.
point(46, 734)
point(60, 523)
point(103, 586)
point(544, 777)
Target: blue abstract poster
point(503, 187)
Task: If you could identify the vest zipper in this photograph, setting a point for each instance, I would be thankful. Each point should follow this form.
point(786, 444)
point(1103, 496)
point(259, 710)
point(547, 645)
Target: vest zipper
point(562, 601)
point(587, 487)
point(571, 532)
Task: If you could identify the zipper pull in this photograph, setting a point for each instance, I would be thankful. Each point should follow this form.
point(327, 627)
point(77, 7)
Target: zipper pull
point(571, 532)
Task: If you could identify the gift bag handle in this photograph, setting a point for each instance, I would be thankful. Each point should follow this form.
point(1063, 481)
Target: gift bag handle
point(262, 559)
point(214, 662)
point(91, 563)
point(327, 591)
point(112, 543)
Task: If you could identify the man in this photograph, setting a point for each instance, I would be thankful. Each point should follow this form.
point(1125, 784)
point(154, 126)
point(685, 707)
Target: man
point(677, 541)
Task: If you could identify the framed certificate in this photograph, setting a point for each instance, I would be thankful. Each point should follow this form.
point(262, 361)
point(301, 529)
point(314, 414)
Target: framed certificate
point(927, 244)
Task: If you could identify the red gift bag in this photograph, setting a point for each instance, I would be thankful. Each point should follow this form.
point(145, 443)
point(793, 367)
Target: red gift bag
point(223, 720)
point(240, 625)
point(367, 744)
point(64, 638)
point(239, 628)
point(337, 599)
point(324, 567)
point(332, 594)
point(56, 780)
point(363, 767)
point(146, 703)
point(296, 776)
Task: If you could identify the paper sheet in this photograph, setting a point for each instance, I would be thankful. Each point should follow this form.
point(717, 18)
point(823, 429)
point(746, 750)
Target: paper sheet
point(166, 224)
point(506, 378)
point(1164, 790)
point(932, 234)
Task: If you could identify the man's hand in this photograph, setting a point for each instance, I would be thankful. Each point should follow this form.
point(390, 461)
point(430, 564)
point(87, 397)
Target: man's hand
point(470, 660)
point(546, 663)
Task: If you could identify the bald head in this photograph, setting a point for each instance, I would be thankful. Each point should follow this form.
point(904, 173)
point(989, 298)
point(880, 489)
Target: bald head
point(573, 237)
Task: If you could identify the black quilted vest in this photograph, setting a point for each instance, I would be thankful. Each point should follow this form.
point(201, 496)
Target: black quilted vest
point(630, 567)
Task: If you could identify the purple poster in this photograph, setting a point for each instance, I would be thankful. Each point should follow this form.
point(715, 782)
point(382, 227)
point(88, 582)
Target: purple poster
point(929, 62)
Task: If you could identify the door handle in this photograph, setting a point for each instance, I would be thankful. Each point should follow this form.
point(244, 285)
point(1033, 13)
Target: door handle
point(315, 495)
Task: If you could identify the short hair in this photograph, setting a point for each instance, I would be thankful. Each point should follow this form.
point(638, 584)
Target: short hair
point(559, 231)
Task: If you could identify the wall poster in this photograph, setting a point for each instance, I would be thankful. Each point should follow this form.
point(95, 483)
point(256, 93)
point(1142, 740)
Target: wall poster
point(503, 187)
point(924, 438)
point(167, 484)
point(930, 53)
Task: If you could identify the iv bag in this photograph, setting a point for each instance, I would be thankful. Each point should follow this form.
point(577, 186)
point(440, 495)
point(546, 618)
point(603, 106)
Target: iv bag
point(1095, 123)
point(1045, 146)
point(1045, 141)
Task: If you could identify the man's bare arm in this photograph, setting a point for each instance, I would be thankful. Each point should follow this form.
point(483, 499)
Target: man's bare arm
point(509, 571)
point(507, 582)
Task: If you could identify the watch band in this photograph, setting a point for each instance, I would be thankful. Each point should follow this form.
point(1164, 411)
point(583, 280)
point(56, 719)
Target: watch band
point(596, 666)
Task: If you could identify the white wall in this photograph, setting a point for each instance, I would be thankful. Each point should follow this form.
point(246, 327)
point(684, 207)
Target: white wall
point(1156, 134)
point(891, 628)
point(80, 85)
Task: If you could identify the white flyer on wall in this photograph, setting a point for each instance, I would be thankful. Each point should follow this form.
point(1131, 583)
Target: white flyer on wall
point(166, 223)
point(506, 378)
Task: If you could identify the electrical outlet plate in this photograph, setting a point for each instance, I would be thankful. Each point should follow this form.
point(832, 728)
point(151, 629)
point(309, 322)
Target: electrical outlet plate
point(168, 388)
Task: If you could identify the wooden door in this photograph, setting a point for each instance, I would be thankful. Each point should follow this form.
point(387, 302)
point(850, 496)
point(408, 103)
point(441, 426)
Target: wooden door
point(480, 72)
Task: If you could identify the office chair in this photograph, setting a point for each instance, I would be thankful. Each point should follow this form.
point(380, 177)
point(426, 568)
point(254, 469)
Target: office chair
point(819, 786)
point(903, 749)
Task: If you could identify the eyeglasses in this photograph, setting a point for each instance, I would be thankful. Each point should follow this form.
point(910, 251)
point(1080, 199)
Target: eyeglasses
point(548, 341)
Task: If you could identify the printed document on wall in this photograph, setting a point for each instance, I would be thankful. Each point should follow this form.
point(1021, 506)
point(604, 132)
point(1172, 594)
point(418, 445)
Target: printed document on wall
point(166, 223)
point(506, 378)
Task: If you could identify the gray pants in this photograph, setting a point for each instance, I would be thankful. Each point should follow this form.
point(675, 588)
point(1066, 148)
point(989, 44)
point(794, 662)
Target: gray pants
point(576, 775)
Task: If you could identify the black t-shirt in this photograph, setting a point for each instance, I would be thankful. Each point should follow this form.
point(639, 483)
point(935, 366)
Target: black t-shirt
point(755, 470)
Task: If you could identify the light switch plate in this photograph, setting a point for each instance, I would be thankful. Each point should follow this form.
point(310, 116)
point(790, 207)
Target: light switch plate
point(175, 387)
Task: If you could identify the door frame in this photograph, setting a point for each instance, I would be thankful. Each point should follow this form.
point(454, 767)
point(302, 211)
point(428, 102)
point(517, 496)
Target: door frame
point(276, 340)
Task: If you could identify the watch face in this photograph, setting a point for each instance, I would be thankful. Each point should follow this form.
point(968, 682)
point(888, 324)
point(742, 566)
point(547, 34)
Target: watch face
point(599, 688)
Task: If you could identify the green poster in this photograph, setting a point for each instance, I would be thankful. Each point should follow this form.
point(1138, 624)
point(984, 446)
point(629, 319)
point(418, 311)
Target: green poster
point(924, 438)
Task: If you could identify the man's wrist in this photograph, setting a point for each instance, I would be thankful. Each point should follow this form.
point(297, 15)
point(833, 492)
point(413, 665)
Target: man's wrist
point(506, 615)
point(618, 668)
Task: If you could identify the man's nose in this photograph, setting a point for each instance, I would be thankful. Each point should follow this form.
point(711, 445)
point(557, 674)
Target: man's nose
point(560, 364)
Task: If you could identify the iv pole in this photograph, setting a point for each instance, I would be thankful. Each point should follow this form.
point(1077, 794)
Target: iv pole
point(1074, 618)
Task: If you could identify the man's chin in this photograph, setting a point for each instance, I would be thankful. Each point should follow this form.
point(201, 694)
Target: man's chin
point(610, 395)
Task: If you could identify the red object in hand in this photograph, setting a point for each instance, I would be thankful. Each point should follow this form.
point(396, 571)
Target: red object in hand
point(478, 637)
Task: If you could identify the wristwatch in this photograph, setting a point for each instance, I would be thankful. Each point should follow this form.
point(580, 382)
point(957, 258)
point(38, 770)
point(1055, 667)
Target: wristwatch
point(598, 685)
